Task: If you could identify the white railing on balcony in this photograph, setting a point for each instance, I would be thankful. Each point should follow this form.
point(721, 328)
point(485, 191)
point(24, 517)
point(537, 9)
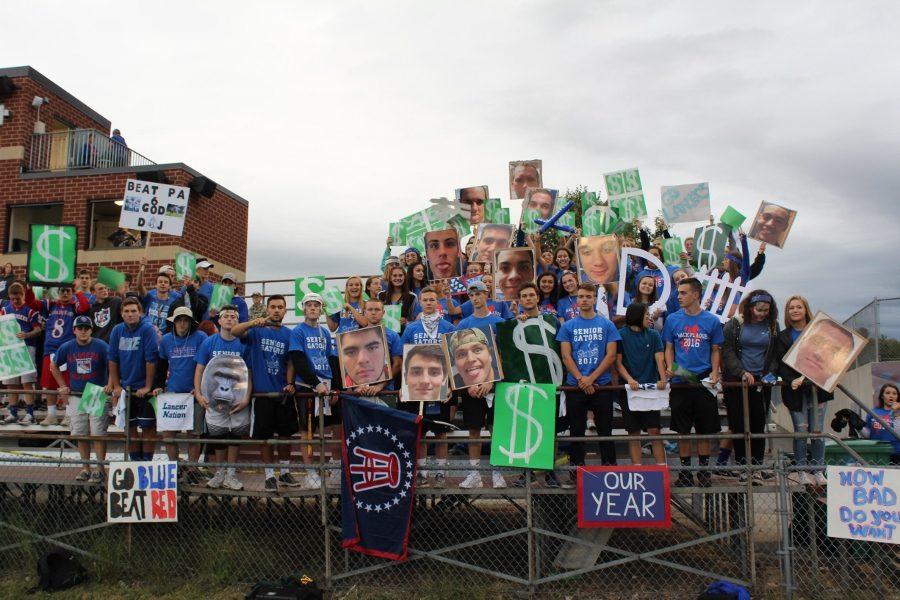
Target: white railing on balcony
point(80, 149)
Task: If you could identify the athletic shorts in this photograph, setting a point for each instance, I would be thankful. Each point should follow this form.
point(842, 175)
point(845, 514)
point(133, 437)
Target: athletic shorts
point(215, 432)
point(694, 408)
point(31, 377)
point(199, 419)
point(47, 381)
point(141, 412)
point(84, 424)
point(274, 415)
point(306, 410)
point(434, 411)
point(476, 413)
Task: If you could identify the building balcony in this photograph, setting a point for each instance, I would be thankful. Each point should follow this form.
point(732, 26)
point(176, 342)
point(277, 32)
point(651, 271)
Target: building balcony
point(76, 149)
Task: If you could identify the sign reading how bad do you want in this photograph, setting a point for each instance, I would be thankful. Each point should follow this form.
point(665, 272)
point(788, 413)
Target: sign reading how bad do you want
point(154, 207)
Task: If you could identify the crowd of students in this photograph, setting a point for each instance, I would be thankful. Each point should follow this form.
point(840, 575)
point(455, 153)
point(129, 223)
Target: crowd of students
point(162, 339)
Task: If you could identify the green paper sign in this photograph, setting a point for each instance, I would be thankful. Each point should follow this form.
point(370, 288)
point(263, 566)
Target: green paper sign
point(334, 300)
point(93, 400)
point(52, 251)
point(524, 425)
point(529, 351)
point(111, 278)
point(493, 211)
point(460, 224)
point(568, 217)
point(709, 245)
point(221, 296)
point(626, 194)
point(630, 208)
point(185, 265)
point(504, 216)
point(588, 199)
point(14, 357)
point(600, 220)
point(397, 232)
point(732, 218)
point(528, 217)
point(9, 329)
point(672, 249)
point(391, 318)
point(312, 284)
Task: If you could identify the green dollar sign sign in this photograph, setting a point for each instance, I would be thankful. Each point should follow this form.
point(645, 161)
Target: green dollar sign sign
point(533, 432)
point(45, 250)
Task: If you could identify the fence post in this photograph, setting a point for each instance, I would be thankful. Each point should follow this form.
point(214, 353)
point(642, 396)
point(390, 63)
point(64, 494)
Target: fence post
point(786, 546)
point(529, 523)
point(748, 470)
point(324, 492)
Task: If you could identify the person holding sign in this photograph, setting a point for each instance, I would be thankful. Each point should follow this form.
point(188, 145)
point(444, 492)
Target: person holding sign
point(397, 293)
point(693, 339)
point(351, 317)
point(106, 312)
point(588, 345)
point(30, 329)
point(887, 406)
point(133, 352)
point(374, 313)
point(175, 374)
point(158, 302)
point(85, 359)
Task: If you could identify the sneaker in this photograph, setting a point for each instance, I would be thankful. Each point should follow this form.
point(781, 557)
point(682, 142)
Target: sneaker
point(550, 480)
point(685, 479)
point(84, 475)
point(819, 478)
point(286, 479)
point(65, 422)
point(96, 478)
point(704, 479)
point(439, 481)
point(520, 481)
point(591, 427)
point(312, 482)
point(472, 480)
point(271, 484)
point(49, 421)
point(217, 480)
point(497, 480)
point(232, 483)
point(26, 419)
point(422, 479)
point(191, 477)
point(797, 477)
point(334, 479)
point(10, 419)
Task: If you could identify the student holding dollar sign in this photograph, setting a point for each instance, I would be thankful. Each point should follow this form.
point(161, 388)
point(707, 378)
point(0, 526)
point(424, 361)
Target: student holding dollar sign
point(30, 329)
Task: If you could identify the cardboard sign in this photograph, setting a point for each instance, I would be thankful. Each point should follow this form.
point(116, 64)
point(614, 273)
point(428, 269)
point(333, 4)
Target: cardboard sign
point(494, 212)
point(529, 350)
point(597, 258)
point(472, 356)
point(185, 265)
point(732, 217)
point(221, 296)
point(627, 496)
point(685, 203)
point(174, 412)
point(709, 246)
point(52, 251)
point(862, 504)
point(625, 194)
point(538, 204)
point(154, 207)
point(397, 232)
point(364, 356)
point(824, 351)
point(311, 284)
point(672, 248)
point(334, 300)
point(524, 425)
point(15, 360)
point(524, 174)
point(142, 492)
point(600, 220)
point(93, 400)
point(111, 278)
point(772, 224)
point(391, 318)
point(425, 374)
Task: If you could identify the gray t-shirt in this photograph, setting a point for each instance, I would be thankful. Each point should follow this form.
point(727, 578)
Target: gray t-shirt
point(754, 343)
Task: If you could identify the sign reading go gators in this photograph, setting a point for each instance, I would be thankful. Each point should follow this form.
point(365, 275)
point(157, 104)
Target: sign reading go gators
point(155, 207)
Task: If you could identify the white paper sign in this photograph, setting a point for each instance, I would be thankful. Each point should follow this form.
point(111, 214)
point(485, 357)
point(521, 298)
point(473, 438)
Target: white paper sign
point(142, 492)
point(862, 503)
point(154, 207)
point(685, 203)
point(660, 303)
point(175, 412)
point(647, 397)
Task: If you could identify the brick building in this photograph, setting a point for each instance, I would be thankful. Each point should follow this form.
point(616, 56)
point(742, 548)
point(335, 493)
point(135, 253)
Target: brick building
point(58, 164)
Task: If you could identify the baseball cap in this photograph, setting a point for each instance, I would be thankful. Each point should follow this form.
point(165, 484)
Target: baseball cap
point(476, 286)
point(181, 311)
point(229, 277)
point(166, 269)
point(467, 336)
point(83, 321)
point(313, 298)
point(204, 264)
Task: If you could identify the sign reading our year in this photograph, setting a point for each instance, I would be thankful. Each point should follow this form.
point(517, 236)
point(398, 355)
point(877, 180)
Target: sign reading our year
point(142, 492)
point(626, 496)
point(154, 207)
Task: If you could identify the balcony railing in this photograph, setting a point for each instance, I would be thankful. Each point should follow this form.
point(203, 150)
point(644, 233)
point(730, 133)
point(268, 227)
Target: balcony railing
point(80, 149)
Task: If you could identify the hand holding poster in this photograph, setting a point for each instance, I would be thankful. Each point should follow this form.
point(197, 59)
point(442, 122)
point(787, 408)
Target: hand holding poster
point(52, 251)
point(142, 492)
point(672, 249)
point(334, 300)
point(685, 203)
point(154, 207)
point(185, 265)
point(709, 245)
point(862, 504)
point(94, 400)
point(824, 351)
point(15, 360)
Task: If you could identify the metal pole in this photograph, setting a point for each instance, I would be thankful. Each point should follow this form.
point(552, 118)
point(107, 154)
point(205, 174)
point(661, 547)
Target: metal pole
point(745, 405)
point(751, 551)
point(127, 453)
point(787, 546)
point(529, 523)
point(877, 332)
point(324, 496)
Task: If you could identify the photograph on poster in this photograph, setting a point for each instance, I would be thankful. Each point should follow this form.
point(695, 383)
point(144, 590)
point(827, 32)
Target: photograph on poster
point(425, 374)
point(824, 351)
point(512, 268)
point(472, 355)
point(524, 174)
point(364, 357)
point(597, 258)
point(772, 224)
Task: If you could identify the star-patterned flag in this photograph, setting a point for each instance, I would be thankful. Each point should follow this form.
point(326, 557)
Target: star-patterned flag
point(379, 477)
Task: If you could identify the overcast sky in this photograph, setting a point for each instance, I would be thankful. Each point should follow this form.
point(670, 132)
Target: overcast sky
point(335, 118)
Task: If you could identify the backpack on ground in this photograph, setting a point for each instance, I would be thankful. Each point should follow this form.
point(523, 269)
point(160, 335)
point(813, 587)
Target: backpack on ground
point(59, 570)
point(289, 588)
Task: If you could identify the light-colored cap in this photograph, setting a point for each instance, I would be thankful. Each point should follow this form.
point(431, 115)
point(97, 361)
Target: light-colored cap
point(313, 298)
point(204, 264)
point(181, 311)
point(229, 277)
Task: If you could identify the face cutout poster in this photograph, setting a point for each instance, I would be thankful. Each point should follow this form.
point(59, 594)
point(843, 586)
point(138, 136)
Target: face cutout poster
point(443, 254)
point(772, 224)
point(154, 207)
point(476, 197)
point(824, 351)
point(597, 258)
point(472, 355)
point(224, 386)
point(491, 237)
point(425, 374)
point(512, 268)
point(524, 174)
point(364, 356)
point(538, 204)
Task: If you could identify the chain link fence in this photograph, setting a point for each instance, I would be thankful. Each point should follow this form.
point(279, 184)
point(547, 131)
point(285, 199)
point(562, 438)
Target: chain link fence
point(879, 321)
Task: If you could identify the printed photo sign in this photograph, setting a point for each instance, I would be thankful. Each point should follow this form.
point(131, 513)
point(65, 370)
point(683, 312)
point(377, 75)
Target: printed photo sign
point(425, 374)
point(154, 207)
point(597, 258)
point(824, 351)
point(142, 492)
point(772, 224)
point(472, 356)
point(512, 268)
point(364, 356)
point(524, 174)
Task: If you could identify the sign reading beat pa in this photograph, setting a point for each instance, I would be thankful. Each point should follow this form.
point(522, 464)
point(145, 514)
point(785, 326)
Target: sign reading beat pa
point(142, 492)
point(626, 496)
point(154, 207)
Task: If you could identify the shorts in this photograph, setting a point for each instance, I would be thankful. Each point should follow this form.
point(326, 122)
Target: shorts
point(31, 377)
point(199, 419)
point(640, 420)
point(269, 416)
point(227, 433)
point(476, 412)
point(141, 412)
point(47, 381)
point(306, 409)
point(434, 411)
point(85, 424)
point(694, 407)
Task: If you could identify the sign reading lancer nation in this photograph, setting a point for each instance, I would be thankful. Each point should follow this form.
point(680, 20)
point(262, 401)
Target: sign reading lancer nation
point(142, 492)
point(154, 207)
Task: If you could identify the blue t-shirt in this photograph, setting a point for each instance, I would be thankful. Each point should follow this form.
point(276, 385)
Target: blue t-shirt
point(181, 352)
point(268, 348)
point(206, 289)
point(158, 310)
point(85, 364)
point(692, 338)
point(132, 348)
point(472, 321)
point(567, 307)
point(59, 319)
point(755, 339)
point(658, 276)
point(215, 345)
point(496, 307)
point(27, 318)
point(395, 347)
point(638, 350)
point(345, 319)
point(588, 338)
point(317, 345)
point(878, 432)
point(546, 307)
point(415, 333)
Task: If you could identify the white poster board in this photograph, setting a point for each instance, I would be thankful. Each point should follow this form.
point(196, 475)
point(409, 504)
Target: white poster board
point(175, 412)
point(154, 207)
point(685, 203)
point(142, 492)
point(862, 503)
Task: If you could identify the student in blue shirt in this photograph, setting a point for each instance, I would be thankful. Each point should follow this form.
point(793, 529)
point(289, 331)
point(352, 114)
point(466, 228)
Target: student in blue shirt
point(887, 406)
point(351, 316)
point(588, 346)
point(175, 373)
point(567, 305)
point(693, 339)
point(159, 303)
point(495, 307)
point(133, 352)
point(482, 315)
point(271, 371)
point(430, 325)
point(374, 313)
point(30, 329)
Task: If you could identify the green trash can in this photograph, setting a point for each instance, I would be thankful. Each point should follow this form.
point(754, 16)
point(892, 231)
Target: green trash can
point(873, 451)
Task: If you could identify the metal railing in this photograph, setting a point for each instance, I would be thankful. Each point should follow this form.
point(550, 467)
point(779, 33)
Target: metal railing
point(879, 322)
point(80, 149)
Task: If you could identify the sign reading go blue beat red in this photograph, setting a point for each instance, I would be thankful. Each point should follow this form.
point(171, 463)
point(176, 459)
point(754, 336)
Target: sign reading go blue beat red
point(626, 496)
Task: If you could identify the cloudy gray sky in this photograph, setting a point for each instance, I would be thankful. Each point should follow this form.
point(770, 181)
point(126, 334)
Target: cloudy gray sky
point(335, 118)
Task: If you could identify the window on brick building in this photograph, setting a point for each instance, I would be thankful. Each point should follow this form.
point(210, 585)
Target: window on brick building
point(21, 217)
point(105, 231)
